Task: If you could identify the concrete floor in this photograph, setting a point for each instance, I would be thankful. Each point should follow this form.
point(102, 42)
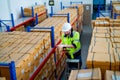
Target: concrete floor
point(85, 42)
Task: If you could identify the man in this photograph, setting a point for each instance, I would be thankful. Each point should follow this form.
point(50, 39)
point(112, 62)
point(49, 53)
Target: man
point(71, 42)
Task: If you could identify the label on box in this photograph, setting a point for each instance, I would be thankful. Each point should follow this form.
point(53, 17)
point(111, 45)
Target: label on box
point(35, 68)
point(40, 61)
point(34, 57)
point(40, 51)
point(29, 64)
point(22, 71)
point(84, 75)
point(37, 55)
point(115, 77)
point(87, 8)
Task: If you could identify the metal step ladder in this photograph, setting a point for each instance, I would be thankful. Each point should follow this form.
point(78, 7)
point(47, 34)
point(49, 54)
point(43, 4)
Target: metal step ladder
point(71, 64)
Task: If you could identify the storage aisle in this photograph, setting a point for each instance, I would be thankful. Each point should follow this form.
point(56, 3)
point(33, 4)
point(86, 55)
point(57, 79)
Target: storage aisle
point(85, 42)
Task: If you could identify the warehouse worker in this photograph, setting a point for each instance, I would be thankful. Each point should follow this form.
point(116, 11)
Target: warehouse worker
point(70, 42)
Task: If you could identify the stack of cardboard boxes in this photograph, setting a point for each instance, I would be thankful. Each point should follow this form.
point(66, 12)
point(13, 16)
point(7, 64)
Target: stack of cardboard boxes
point(37, 9)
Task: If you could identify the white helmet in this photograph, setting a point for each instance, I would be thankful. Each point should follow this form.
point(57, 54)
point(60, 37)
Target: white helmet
point(66, 27)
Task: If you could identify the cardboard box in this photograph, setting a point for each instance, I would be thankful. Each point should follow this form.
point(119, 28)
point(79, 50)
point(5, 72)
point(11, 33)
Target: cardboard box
point(115, 40)
point(100, 31)
point(25, 51)
point(37, 9)
point(101, 35)
point(117, 61)
point(2, 78)
point(103, 61)
point(112, 75)
point(116, 45)
point(100, 40)
point(115, 35)
point(87, 74)
point(116, 50)
point(103, 18)
point(101, 23)
point(114, 28)
point(101, 47)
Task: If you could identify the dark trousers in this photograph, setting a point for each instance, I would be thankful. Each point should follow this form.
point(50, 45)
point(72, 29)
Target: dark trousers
point(77, 55)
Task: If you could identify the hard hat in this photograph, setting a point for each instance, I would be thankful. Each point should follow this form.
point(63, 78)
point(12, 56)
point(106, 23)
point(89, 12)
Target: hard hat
point(66, 27)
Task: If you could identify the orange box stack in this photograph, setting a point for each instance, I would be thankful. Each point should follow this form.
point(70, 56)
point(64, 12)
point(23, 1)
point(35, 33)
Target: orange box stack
point(87, 74)
point(39, 9)
point(112, 75)
point(26, 49)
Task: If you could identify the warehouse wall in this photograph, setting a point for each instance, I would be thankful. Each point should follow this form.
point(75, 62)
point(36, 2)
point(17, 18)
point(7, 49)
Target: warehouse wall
point(13, 6)
point(4, 11)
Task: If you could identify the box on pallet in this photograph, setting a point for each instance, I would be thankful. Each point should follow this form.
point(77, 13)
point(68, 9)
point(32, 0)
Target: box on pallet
point(37, 9)
point(100, 40)
point(101, 23)
point(103, 61)
point(112, 75)
point(103, 18)
point(27, 55)
point(86, 74)
point(117, 61)
point(115, 22)
point(117, 58)
point(115, 40)
point(80, 8)
point(21, 28)
point(101, 31)
point(115, 34)
point(101, 35)
point(95, 47)
point(114, 28)
point(116, 45)
point(47, 70)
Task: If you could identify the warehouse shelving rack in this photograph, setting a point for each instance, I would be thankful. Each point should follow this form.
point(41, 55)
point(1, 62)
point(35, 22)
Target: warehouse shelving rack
point(11, 21)
point(115, 15)
point(15, 24)
point(54, 46)
point(34, 17)
point(62, 7)
point(110, 10)
point(7, 27)
point(67, 15)
point(11, 66)
point(32, 10)
point(71, 2)
point(21, 21)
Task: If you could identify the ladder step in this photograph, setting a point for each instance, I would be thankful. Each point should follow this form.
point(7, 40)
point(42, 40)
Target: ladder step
point(73, 60)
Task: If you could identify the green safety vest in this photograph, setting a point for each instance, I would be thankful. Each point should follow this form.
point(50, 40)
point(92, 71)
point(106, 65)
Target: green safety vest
point(72, 40)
